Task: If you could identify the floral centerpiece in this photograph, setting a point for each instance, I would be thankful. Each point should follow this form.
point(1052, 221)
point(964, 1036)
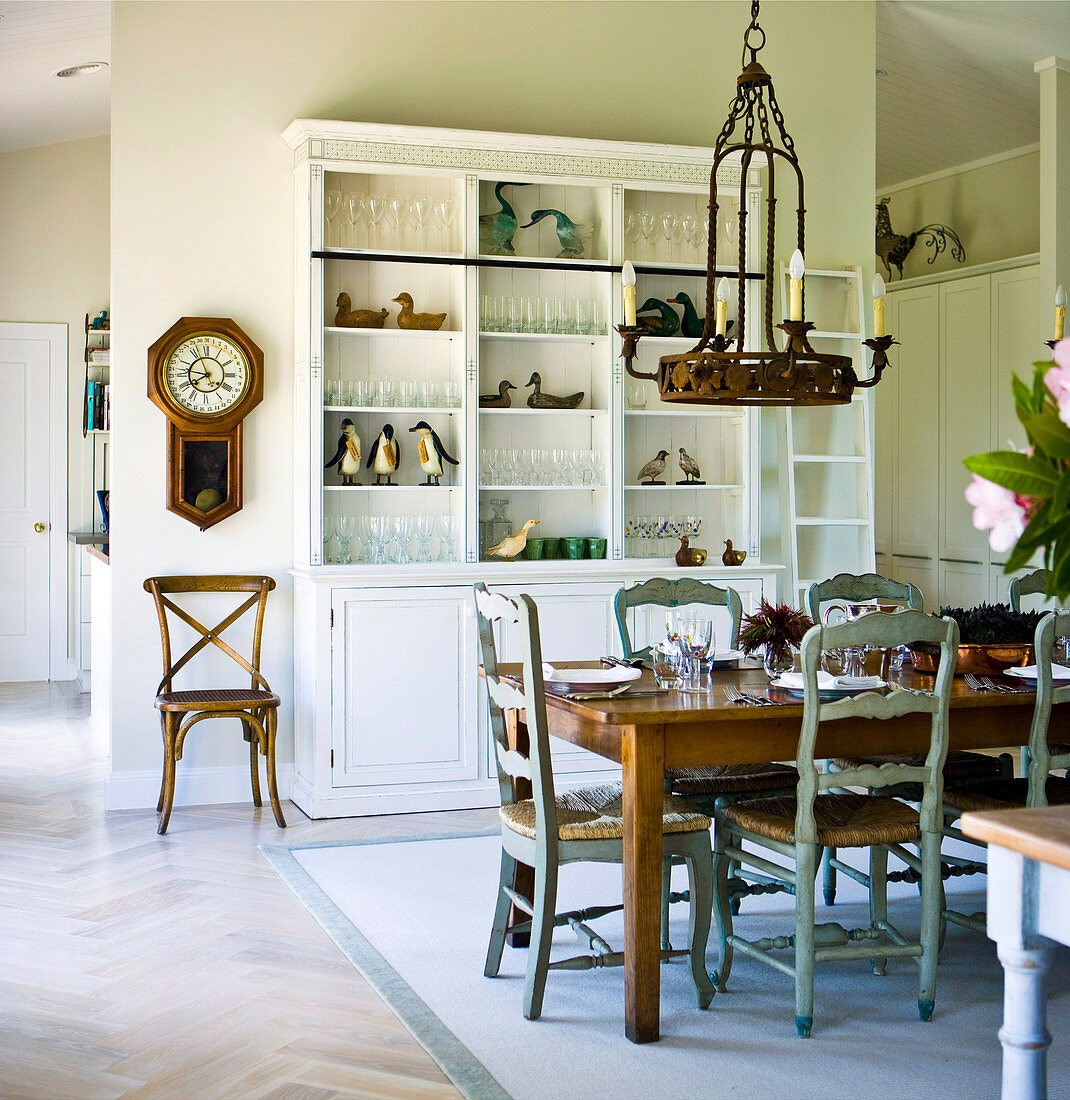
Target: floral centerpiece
point(777, 631)
point(1022, 498)
point(992, 638)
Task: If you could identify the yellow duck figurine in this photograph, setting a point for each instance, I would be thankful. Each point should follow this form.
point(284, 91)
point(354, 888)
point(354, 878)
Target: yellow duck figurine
point(347, 317)
point(409, 318)
point(514, 544)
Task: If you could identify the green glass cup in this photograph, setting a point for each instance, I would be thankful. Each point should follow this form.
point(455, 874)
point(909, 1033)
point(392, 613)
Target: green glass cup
point(533, 548)
point(596, 548)
point(573, 548)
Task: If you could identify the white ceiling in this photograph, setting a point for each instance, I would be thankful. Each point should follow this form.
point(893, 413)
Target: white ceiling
point(960, 84)
point(37, 38)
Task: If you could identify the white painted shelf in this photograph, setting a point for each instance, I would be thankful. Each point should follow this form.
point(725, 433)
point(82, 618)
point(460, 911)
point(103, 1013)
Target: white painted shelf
point(524, 411)
point(690, 485)
point(548, 337)
point(402, 333)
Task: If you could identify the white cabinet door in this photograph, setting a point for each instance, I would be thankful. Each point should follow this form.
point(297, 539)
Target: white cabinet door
point(920, 572)
point(575, 624)
point(1016, 321)
point(404, 687)
point(965, 326)
point(916, 375)
point(961, 584)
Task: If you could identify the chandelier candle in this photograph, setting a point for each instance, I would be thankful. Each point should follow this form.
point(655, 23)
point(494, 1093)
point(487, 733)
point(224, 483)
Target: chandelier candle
point(627, 276)
point(796, 269)
point(1060, 311)
point(878, 305)
point(724, 292)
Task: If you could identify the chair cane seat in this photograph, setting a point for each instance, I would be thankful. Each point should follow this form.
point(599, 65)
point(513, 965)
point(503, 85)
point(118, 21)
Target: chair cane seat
point(843, 820)
point(958, 766)
point(723, 779)
point(1004, 794)
point(596, 813)
point(216, 699)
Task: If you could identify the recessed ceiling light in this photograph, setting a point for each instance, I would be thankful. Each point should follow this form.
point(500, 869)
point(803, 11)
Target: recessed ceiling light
point(82, 70)
point(881, 72)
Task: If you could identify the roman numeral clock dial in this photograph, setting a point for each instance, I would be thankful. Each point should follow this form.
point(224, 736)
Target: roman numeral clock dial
point(205, 375)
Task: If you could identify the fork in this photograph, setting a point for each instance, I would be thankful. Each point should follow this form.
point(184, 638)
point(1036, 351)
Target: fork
point(1004, 689)
point(973, 682)
point(734, 695)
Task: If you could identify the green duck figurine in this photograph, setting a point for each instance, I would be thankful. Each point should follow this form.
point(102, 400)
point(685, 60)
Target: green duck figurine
point(691, 324)
point(496, 230)
point(665, 323)
point(572, 236)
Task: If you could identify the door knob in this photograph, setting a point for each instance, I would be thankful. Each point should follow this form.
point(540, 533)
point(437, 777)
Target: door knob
point(39, 527)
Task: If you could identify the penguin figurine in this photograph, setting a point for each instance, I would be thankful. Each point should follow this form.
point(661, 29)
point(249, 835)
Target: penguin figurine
point(347, 457)
point(431, 452)
point(385, 455)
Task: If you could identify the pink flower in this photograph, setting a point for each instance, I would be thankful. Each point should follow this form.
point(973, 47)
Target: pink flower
point(1058, 379)
point(997, 510)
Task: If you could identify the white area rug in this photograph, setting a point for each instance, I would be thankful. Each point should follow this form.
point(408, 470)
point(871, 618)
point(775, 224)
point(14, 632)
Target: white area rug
point(414, 918)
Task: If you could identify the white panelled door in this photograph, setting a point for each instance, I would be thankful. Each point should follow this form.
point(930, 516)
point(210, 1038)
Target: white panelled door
point(26, 365)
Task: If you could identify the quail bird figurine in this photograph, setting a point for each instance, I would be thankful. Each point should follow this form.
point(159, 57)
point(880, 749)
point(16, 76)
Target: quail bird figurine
point(409, 318)
point(690, 468)
point(513, 545)
point(571, 236)
point(653, 469)
point(348, 317)
point(539, 400)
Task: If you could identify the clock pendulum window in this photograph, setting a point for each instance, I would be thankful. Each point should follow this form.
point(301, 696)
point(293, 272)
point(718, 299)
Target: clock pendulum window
point(205, 375)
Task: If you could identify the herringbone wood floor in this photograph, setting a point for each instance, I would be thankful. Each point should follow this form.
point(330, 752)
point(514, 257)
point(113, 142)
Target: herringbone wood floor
point(180, 966)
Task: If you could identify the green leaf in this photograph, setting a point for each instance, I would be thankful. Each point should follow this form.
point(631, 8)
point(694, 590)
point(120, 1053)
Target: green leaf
point(1049, 433)
point(1040, 390)
point(1023, 397)
point(1023, 474)
point(1061, 500)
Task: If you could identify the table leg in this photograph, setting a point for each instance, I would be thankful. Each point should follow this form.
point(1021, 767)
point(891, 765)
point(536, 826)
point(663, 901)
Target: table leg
point(1024, 1034)
point(517, 736)
point(642, 761)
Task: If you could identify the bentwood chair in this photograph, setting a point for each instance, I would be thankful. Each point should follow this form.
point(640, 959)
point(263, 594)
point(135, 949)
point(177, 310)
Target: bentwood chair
point(960, 766)
point(1039, 787)
point(546, 829)
point(795, 829)
point(1031, 584)
point(256, 707)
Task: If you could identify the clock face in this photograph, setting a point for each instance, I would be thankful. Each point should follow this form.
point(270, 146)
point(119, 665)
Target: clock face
point(206, 374)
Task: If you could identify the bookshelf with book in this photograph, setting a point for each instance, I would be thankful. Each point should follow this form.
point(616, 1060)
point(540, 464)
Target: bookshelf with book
point(96, 405)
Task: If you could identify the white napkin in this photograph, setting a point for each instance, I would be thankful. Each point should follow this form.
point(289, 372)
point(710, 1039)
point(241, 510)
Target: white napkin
point(1029, 672)
point(826, 681)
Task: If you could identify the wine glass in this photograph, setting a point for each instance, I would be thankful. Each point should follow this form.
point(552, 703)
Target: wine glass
point(425, 531)
point(694, 636)
point(346, 526)
point(668, 232)
point(447, 545)
point(396, 214)
point(442, 212)
point(419, 209)
point(329, 531)
point(352, 206)
point(377, 534)
point(648, 226)
point(375, 206)
point(402, 536)
point(689, 229)
point(333, 207)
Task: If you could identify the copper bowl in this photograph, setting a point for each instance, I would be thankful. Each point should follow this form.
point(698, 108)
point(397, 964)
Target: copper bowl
point(982, 660)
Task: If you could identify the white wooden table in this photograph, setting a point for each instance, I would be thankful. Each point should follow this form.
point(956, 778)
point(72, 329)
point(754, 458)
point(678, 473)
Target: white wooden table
point(1028, 910)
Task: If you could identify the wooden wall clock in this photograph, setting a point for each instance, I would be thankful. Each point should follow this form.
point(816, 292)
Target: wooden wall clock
point(206, 376)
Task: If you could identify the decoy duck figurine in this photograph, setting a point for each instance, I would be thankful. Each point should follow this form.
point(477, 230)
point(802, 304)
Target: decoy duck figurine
point(732, 557)
point(499, 400)
point(571, 236)
point(496, 231)
point(539, 400)
point(348, 317)
point(691, 322)
point(409, 318)
point(665, 323)
point(514, 544)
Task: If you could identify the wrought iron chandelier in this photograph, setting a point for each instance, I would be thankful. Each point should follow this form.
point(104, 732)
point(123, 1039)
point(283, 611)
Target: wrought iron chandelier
point(718, 371)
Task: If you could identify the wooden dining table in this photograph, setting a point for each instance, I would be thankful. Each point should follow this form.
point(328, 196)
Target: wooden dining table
point(651, 733)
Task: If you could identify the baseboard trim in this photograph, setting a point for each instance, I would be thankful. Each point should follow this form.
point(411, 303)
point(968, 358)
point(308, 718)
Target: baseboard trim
point(194, 786)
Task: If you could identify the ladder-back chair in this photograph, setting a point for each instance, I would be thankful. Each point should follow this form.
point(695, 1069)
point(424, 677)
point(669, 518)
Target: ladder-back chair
point(1032, 584)
point(256, 707)
point(544, 830)
point(795, 829)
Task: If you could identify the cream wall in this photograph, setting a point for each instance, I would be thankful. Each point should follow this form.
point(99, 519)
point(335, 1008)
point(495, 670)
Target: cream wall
point(993, 207)
point(201, 187)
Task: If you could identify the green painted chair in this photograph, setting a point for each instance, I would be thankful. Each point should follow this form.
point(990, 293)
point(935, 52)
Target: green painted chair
point(702, 786)
point(1030, 584)
point(1039, 787)
point(796, 828)
point(548, 829)
point(960, 767)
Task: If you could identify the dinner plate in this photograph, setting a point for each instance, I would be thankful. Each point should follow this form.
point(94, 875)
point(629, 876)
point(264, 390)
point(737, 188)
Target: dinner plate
point(1029, 672)
point(588, 679)
point(725, 658)
point(828, 691)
